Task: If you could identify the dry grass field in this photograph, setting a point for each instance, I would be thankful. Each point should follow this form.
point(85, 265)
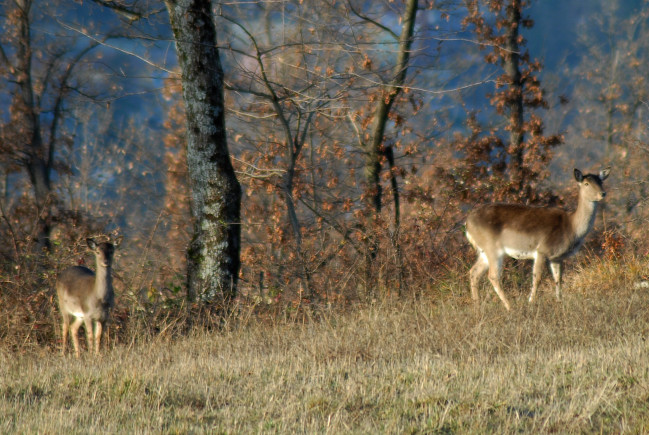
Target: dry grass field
point(433, 364)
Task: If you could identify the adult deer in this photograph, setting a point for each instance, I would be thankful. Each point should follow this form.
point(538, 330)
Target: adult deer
point(87, 296)
point(538, 233)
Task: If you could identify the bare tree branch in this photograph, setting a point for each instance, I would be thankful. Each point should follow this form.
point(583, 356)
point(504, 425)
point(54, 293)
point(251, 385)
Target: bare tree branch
point(127, 11)
point(103, 43)
point(371, 21)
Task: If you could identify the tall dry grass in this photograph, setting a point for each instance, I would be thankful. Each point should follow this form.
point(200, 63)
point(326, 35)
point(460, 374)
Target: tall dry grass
point(434, 364)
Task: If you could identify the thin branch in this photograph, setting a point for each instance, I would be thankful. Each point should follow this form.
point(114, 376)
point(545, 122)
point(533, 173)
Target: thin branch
point(121, 50)
point(230, 87)
point(6, 60)
point(58, 105)
point(370, 20)
point(356, 129)
point(472, 41)
point(428, 91)
point(126, 11)
point(268, 172)
point(344, 232)
point(264, 77)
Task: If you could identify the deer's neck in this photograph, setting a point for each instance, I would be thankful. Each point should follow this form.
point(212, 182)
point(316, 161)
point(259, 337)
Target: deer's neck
point(583, 218)
point(103, 281)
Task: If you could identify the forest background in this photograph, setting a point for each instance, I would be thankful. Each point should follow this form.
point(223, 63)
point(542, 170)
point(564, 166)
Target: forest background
point(338, 207)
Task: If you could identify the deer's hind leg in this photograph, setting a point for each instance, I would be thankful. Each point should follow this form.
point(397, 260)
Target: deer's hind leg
point(89, 333)
point(98, 331)
point(75, 334)
point(65, 331)
point(479, 268)
point(555, 267)
point(495, 272)
point(537, 274)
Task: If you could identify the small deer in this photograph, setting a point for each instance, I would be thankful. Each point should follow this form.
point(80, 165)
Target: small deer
point(539, 233)
point(87, 296)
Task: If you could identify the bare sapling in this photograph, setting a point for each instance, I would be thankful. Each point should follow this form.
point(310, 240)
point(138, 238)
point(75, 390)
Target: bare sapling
point(87, 296)
point(542, 234)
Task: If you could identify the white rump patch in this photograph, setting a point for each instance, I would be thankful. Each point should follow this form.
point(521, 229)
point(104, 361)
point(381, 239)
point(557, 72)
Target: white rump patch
point(472, 241)
point(641, 284)
point(73, 309)
point(520, 255)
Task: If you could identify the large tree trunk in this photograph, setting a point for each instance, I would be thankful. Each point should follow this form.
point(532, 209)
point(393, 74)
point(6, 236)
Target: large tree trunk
point(213, 257)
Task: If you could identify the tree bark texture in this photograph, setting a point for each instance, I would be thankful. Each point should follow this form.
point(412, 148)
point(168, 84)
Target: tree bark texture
point(374, 152)
point(515, 98)
point(36, 158)
point(213, 256)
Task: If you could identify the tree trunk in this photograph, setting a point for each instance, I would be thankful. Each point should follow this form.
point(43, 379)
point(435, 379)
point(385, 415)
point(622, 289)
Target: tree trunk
point(401, 282)
point(515, 99)
point(374, 152)
point(36, 164)
point(213, 260)
point(287, 189)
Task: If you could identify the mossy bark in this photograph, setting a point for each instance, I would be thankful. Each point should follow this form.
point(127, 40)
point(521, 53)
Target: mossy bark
point(213, 255)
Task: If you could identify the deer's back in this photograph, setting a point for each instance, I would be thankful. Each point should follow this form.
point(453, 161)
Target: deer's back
point(521, 227)
point(520, 218)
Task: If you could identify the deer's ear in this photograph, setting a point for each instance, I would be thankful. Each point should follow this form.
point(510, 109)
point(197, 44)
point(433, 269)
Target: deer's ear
point(115, 238)
point(603, 174)
point(578, 175)
point(91, 243)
